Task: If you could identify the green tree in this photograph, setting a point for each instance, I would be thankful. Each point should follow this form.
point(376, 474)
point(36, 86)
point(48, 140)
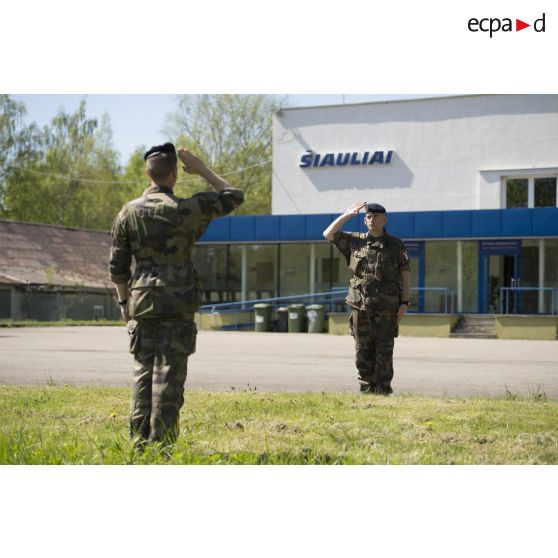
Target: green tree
point(107, 196)
point(67, 175)
point(134, 180)
point(67, 172)
point(17, 143)
point(11, 115)
point(233, 134)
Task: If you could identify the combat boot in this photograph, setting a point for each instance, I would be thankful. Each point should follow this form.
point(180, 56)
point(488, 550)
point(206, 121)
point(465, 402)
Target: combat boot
point(366, 388)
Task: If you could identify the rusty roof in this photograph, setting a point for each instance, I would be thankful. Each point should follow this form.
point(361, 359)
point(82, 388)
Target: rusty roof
point(39, 254)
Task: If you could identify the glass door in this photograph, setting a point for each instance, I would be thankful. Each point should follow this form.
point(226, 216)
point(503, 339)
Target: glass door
point(499, 268)
point(415, 251)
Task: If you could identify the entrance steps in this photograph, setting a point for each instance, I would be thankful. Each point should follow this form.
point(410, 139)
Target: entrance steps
point(475, 326)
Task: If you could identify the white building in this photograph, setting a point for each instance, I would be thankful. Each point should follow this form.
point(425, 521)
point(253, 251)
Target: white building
point(445, 153)
point(469, 183)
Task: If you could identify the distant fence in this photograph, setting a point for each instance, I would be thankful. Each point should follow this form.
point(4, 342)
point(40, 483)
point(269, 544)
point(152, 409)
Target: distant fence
point(58, 304)
point(5, 303)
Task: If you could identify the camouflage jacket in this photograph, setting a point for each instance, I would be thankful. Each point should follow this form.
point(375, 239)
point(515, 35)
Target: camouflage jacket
point(375, 264)
point(159, 230)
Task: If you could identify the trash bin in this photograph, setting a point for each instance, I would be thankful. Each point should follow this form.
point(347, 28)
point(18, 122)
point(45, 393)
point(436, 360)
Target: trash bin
point(315, 314)
point(262, 316)
point(296, 318)
point(282, 319)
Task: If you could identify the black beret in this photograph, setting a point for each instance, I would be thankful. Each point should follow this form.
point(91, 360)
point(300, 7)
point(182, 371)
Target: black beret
point(158, 149)
point(375, 208)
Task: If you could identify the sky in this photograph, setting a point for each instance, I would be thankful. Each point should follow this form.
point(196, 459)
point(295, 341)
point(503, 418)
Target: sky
point(139, 119)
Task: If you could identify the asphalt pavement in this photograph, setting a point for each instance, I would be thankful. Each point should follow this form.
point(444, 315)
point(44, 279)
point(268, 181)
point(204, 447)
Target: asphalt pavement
point(283, 362)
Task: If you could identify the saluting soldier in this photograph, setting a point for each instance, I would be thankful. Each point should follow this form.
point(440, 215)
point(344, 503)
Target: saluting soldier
point(378, 292)
point(158, 300)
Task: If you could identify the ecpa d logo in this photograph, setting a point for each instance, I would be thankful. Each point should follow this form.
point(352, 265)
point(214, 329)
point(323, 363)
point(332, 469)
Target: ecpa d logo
point(493, 25)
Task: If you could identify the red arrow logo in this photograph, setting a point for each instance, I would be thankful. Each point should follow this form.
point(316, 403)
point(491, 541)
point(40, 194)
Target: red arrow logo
point(519, 25)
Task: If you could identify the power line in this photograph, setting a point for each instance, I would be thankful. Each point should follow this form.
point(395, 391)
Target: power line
point(95, 181)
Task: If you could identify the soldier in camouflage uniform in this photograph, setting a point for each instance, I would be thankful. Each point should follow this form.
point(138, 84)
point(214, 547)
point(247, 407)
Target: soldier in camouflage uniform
point(378, 293)
point(158, 300)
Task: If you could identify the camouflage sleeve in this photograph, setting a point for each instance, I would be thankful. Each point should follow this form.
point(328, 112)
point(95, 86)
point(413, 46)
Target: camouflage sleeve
point(120, 252)
point(342, 241)
point(403, 258)
point(218, 204)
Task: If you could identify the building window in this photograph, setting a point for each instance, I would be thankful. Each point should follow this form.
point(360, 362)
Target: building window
point(517, 192)
point(327, 270)
point(440, 278)
point(298, 261)
point(210, 261)
point(329, 273)
point(530, 192)
point(528, 301)
point(551, 263)
point(294, 272)
point(545, 192)
point(261, 269)
point(470, 273)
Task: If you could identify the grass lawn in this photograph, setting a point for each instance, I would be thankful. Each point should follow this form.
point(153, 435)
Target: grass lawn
point(78, 425)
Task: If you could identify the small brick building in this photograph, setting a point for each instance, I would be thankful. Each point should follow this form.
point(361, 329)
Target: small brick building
point(49, 272)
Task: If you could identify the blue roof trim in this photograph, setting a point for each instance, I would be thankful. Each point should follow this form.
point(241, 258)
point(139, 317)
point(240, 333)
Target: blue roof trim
point(428, 224)
point(457, 223)
point(483, 223)
point(517, 222)
point(218, 229)
point(315, 226)
point(403, 223)
point(293, 227)
point(267, 229)
point(242, 228)
point(544, 221)
point(487, 223)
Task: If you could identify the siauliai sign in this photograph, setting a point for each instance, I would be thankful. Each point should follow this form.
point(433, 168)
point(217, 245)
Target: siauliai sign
point(313, 159)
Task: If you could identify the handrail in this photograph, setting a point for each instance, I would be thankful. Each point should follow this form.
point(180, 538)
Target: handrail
point(335, 296)
point(505, 298)
point(328, 296)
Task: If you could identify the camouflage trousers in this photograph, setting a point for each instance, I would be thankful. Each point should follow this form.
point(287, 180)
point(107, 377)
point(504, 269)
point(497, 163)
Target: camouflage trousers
point(374, 334)
point(161, 349)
